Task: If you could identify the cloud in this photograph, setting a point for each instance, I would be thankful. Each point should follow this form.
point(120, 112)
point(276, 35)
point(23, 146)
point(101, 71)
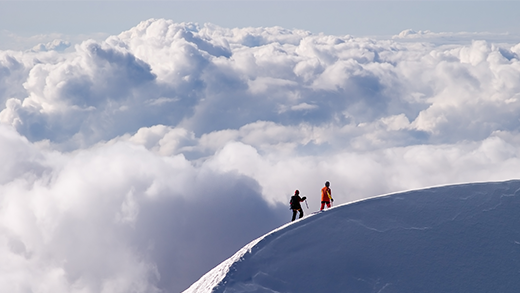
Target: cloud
point(119, 218)
point(56, 45)
point(141, 161)
point(10, 40)
point(207, 79)
point(444, 38)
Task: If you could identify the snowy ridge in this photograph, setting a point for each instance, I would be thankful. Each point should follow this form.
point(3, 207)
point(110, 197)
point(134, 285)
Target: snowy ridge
point(458, 238)
point(218, 275)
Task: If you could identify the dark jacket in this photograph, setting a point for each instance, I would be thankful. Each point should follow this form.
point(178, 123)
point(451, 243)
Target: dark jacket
point(295, 202)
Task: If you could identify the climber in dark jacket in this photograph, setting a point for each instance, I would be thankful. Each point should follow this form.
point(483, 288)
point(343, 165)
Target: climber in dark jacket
point(295, 204)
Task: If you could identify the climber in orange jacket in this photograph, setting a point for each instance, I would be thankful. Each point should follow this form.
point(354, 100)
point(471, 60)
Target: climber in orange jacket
point(326, 196)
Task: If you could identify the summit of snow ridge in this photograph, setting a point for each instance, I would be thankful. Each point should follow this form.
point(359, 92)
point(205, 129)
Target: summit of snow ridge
point(458, 238)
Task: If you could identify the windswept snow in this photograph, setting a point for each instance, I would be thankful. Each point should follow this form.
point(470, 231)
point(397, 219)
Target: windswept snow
point(459, 238)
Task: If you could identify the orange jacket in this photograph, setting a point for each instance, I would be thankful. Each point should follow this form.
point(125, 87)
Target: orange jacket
point(326, 194)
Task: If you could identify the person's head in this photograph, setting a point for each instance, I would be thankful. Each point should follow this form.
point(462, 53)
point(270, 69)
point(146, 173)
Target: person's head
point(327, 184)
point(296, 192)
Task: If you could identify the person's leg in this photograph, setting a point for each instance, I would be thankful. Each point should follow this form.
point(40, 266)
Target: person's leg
point(293, 215)
point(328, 204)
point(322, 205)
point(301, 213)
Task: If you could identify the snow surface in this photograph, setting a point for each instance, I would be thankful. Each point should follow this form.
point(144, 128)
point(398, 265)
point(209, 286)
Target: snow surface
point(459, 238)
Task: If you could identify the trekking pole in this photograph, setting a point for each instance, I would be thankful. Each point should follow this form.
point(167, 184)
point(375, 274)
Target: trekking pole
point(306, 204)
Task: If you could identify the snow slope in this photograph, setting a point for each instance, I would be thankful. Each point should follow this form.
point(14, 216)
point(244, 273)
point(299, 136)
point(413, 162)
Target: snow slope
point(460, 238)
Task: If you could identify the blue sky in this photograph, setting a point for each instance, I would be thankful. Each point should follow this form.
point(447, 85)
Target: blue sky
point(360, 18)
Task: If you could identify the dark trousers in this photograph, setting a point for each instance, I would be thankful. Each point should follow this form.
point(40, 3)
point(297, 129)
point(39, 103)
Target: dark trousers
point(294, 211)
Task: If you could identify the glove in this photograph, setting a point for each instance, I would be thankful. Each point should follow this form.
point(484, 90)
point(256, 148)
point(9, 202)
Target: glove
point(304, 198)
point(332, 199)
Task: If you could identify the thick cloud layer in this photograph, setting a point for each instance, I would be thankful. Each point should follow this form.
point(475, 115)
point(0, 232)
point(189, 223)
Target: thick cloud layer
point(140, 162)
point(118, 218)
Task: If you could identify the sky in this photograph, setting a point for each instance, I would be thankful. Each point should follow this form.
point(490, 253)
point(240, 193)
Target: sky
point(139, 150)
point(24, 24)
point(450, 239)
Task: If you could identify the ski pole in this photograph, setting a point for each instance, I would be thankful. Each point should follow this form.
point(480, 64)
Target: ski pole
point(306, 204)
